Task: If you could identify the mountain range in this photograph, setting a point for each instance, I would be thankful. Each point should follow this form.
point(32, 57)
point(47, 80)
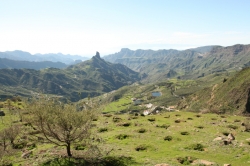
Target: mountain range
point(18, 55)
point(14, 64)
point(187, 64)
point(89, 78)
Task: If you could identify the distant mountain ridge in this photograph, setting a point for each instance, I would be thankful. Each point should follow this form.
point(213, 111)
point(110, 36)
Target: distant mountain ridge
point(190, 63)
point(13, 64)
point(89, 78)
point(26, 56)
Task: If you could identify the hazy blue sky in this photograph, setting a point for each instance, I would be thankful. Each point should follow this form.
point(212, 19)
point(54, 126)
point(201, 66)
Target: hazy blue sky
point(85, 26)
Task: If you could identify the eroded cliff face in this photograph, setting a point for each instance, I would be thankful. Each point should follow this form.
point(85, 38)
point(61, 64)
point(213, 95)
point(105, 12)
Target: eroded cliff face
point(248, 102)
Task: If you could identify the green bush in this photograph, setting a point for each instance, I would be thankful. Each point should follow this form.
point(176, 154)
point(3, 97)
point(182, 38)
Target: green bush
point(184, 133)
point(198, 147)
point(31, 146)
point(122, 136)
point(101, 130)
point(151, 119)
point(168, 138)
point(165, 126)
point(226, 133)
point(141, 148)
point(189, 118)
point(186, 160)
point(125, 124)
point(107, 115)
point(142, 130)
point(200, 127)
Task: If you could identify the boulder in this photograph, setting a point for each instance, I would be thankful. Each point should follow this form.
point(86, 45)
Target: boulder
point(218, 139)
point(231, 136)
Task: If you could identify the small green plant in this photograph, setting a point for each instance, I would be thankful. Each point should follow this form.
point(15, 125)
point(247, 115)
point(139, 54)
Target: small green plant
point(237, 120)
point(198, 116)
point(186, 160)
point(213, 119)
point(198, 147)
point(168, 138)
point(122, 136)
point(141, 148)
point(189, 118)
point(142, 130)
point(184, 133)
point(177, 115)
point(104, 129)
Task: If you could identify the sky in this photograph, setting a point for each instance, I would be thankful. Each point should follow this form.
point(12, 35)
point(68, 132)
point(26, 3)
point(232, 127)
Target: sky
point(82, 27)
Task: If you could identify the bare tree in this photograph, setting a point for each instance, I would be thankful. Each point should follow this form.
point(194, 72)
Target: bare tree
point(60, 123)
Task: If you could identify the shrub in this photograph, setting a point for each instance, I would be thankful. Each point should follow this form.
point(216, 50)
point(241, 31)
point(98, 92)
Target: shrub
point(107, 115)
point(31, 146)
point(168, 138)
point(225, 133)
point(141, 148)
point(20, 145)
point(198, 116)
point(213, 119)
point(184, 133)
point(189, 118)
point(151, 119)
point(163, 126)
point(186, 160)
point(198, 147)
point(177, 121)
point(177, 115)
point(200, 127)
point(95, 119)
point(122, 136)
point(125, 124)
point(101, 130)
point(142, 130)
point(233, 127)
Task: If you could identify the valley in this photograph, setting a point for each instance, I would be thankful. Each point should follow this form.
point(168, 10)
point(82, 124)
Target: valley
point(186, 107)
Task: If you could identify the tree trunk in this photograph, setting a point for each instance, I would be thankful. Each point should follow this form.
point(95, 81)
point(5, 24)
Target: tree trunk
point(68, 150)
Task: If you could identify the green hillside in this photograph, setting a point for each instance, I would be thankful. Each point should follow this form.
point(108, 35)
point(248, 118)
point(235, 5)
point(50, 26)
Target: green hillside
point(230, 95)
point(89, 78)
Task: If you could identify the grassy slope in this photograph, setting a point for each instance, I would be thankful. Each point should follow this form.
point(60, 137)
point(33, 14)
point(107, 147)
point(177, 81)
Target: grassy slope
point(160, 151)
point(230, 96)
